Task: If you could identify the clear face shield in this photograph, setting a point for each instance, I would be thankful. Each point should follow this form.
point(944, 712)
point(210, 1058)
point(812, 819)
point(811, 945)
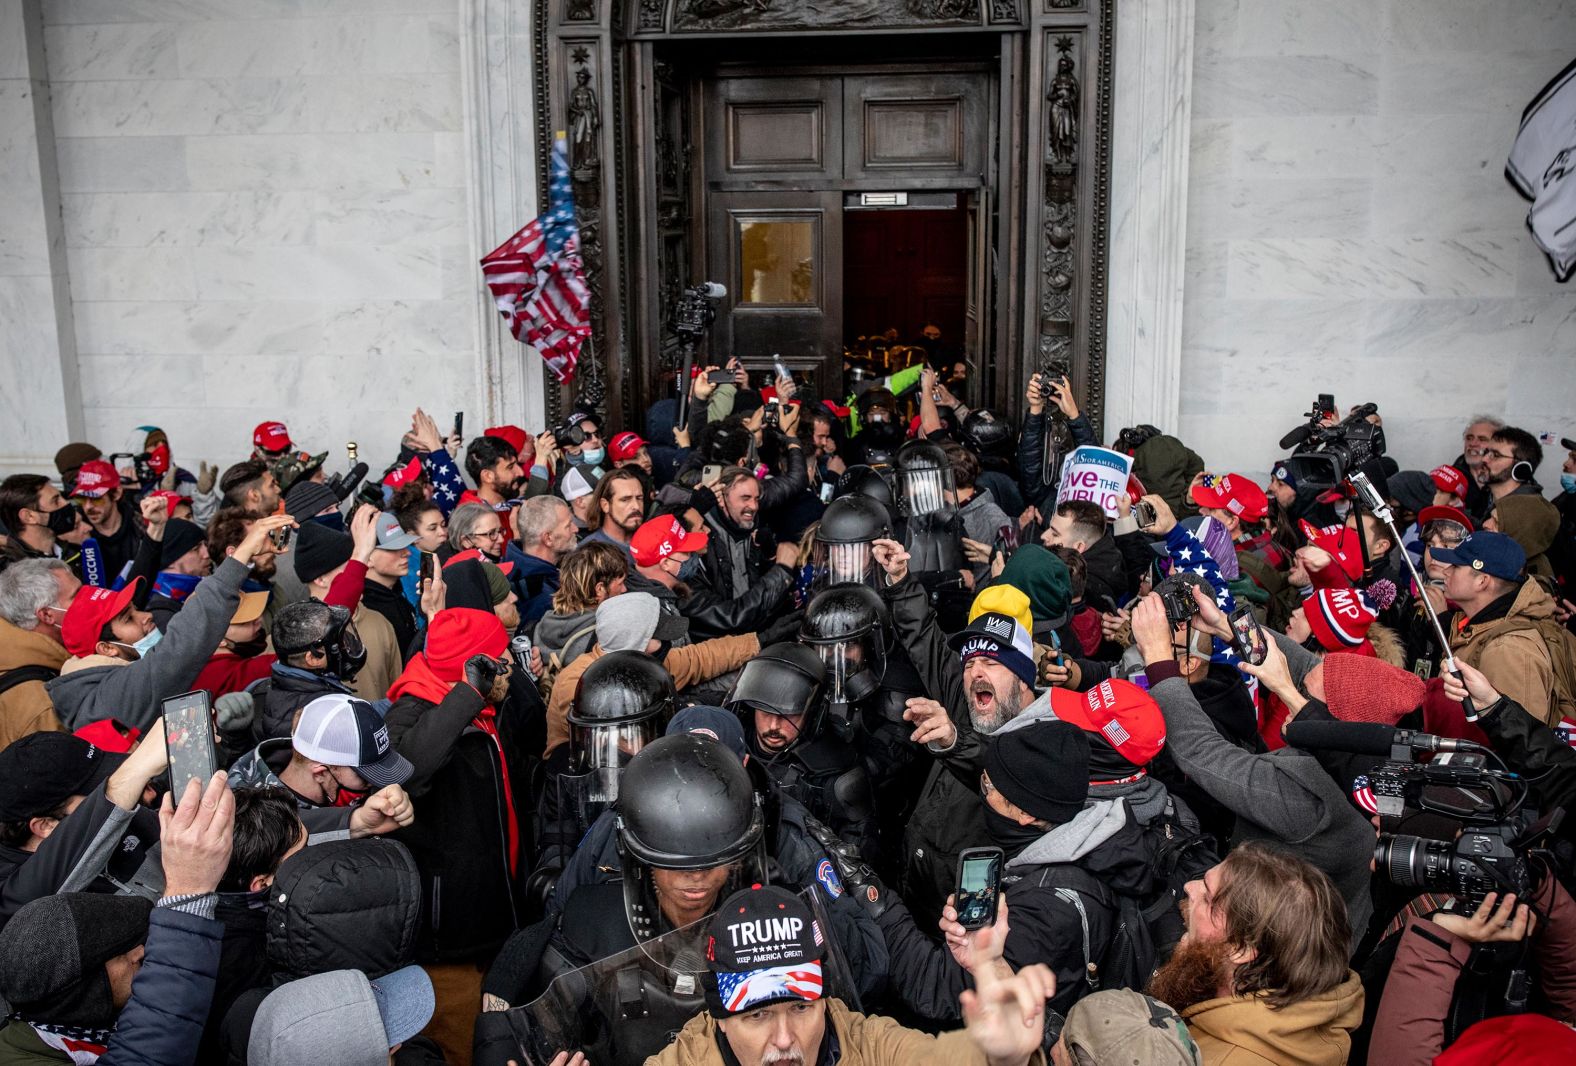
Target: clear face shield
point(835, 564)
point(925, 491)
point(610, 747)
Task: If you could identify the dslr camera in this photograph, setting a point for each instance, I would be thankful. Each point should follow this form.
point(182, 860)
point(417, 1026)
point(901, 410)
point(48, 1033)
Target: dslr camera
point(696, 309)
point(569, 435)
point(1326, 456)
point(1176, 594)
point(1492, 851)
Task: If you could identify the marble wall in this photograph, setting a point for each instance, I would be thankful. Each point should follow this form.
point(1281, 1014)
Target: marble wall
point(265, 214)
point(1350, 230)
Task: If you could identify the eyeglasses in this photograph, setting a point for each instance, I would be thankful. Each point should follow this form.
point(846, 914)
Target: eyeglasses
point(1489, 453)
point(492, 534)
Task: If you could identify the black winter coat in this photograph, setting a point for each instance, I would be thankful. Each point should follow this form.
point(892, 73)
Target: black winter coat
point(460, 838)
point(282, 694)
point(711, 614)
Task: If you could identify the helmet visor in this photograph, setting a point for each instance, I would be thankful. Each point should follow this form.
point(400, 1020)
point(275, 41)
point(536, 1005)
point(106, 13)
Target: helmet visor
point(843, 660)
point(845, 562)
point(612, 746)
point(924, 491)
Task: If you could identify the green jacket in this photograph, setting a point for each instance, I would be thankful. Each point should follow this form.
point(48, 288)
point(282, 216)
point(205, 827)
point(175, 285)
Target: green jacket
point(20, 1046)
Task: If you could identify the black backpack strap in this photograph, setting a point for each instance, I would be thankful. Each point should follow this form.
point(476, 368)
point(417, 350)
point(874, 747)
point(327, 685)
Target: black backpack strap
point(1073, 885)
point(23, 674)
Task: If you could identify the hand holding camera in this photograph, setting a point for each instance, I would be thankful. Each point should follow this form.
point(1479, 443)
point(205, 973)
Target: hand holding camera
point(1035, 395)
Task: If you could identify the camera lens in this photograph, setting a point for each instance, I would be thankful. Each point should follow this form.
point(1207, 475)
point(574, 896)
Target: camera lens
point(1414, 862)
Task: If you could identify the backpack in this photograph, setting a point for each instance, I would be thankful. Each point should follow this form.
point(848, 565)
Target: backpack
point(551, 663)
point(1561, 644)
point(23, 674)
point(1145, 930)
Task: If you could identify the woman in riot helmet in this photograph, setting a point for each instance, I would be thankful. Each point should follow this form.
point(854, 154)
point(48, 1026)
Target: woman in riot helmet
point(779, 700)
point(849, 527)
point(621, 704)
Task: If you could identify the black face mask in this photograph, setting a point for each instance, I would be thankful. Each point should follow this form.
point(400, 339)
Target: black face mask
point(64, 520)
point(1008, 834)
point(246, 649)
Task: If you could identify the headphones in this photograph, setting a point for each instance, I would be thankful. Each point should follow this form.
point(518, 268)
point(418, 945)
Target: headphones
point(1521, 471)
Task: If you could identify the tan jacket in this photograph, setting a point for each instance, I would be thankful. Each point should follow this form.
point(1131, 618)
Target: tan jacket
point(864, 1040)
point(1247, 1031)
point(384, 664)
point(27, 708)
point(1515, 662)
point(687, 664)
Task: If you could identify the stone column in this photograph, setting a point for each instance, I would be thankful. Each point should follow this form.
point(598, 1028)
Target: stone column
point(41, 400)
point(1149, 172)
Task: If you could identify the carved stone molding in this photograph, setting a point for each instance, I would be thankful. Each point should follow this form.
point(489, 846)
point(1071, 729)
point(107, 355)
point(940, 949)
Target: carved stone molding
point(1154, 75)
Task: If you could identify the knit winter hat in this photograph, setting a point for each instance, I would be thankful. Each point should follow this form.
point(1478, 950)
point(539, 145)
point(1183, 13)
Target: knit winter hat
point(52, 955)
point(458, 633)
point(1042, 768)
point(1360, 689)
point(180, 537)
point(1412, 489)
point(1045, 580)
point(319, 550)
point(1340, 617)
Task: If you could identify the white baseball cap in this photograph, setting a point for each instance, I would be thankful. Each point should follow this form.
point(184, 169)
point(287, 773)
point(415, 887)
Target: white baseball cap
point(339, 730)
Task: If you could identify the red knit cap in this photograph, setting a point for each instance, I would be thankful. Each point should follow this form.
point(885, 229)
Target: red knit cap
point(1340, 618)
point(1360, 689)
point(458, 633)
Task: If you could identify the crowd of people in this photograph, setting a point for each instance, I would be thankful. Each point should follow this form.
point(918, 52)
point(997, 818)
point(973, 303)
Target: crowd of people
point(777, 731)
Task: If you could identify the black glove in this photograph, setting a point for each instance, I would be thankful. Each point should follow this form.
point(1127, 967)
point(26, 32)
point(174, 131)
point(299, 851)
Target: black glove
point(785, 628)
point(859, 879)
point(481, 671)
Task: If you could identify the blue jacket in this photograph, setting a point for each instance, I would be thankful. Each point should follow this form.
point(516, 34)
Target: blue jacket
point(163, 1022)
point(535, 580)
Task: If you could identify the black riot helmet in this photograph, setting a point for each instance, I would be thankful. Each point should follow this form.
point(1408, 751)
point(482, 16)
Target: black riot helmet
point(622, 702)
point(842, 541)
point(685, 803)
point(784, 679)
point(314, 626)
point(925, 476)
point(862, 480)
point(847, 626)
point(987, 433)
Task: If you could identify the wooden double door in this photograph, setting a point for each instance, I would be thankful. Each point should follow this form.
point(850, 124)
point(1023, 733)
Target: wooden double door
point(798, 163)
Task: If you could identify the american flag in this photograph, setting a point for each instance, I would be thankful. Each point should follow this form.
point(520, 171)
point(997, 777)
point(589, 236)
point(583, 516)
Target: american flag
point(741, 991)
point(1363, 794)
point(538, 279)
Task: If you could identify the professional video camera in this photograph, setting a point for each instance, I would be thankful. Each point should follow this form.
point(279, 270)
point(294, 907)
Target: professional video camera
point(1327, 456)
point(696, 309)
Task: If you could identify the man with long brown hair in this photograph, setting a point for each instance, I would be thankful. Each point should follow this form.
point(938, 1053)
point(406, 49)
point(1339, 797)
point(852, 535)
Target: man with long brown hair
point(1261, 972)
point(618, 506)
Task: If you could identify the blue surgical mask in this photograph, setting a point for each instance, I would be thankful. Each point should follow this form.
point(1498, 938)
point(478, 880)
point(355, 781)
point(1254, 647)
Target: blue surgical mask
point(689, 569)
point(592, 456)
point(146, 644)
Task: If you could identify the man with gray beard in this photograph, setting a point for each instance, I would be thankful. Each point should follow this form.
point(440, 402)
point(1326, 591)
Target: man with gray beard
point(983, 678)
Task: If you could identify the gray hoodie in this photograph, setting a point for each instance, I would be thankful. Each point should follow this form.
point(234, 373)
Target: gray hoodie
point(131, 692)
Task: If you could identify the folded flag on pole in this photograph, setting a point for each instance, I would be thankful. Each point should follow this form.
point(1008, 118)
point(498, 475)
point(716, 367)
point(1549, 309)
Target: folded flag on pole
point(538, 279)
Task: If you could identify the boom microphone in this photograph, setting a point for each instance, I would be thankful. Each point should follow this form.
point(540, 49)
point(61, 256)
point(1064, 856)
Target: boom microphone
point(1368, 738)
point(712, 290)
point(1296, 437)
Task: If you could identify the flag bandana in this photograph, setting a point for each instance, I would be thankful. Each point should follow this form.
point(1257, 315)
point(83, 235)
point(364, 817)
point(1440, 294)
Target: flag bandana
point(537, 277)
point(741, 991)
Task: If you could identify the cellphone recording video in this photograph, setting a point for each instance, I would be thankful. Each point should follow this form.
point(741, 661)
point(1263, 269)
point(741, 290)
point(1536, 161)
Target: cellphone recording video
point(979, 886)
point(280, 538)
point(1248, 637)
point(188, 739)
point(1146, 514)
point(426, 569)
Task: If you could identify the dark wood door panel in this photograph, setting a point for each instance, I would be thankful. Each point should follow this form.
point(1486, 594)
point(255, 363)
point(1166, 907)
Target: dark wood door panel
point(774, 129)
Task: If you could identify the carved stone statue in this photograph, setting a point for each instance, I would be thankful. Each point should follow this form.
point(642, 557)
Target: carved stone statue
point(1063, 99)
point(585, 122)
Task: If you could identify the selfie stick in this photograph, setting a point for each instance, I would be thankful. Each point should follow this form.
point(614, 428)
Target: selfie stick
point(1376, 505)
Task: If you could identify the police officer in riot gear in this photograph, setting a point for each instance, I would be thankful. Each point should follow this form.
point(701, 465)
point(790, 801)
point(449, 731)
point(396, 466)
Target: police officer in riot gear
point(880, 433)
point(861, 480)
point(780, 702)
point(621, 705)
point(842, 552)
point(933, 530)
point(869, 682)
point(991, 437)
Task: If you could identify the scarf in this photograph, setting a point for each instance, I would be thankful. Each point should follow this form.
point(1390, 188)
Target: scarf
point(82, 1046)
point(422, 682)
point(174, 586)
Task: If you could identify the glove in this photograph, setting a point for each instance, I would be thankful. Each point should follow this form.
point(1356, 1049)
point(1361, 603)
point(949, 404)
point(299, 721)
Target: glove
point(481, 671)
point(862, 883)
point(234, 711)
point(785, 628)
point(206, 476)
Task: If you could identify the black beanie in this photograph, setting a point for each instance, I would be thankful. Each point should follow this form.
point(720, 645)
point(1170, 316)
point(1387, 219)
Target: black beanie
point(180, 537)
point(318, 550)
point(52, 955)
point(1041, 768)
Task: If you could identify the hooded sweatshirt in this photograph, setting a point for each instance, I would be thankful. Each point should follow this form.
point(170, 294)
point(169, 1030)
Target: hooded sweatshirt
point(1245, 1030)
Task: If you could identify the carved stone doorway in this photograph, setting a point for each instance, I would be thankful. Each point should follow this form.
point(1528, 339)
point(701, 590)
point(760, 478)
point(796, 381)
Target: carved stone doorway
point(621, 77)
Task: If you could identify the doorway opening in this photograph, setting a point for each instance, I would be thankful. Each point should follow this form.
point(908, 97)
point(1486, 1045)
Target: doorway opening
point(905, 282)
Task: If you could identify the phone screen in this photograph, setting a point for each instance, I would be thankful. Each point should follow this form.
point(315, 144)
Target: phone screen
point(979, 881)
point(1250, 639)
point(188, 737)
point(426, 568)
